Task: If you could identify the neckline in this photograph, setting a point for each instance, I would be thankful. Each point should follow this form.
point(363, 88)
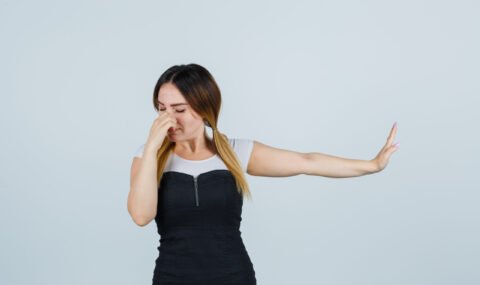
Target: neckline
point(194, 161)
point(207, 173)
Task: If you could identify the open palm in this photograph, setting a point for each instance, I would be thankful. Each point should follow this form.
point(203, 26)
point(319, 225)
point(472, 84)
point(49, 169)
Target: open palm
point(382, 158)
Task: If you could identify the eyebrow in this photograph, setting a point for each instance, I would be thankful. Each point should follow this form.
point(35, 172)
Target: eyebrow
point(176, 104)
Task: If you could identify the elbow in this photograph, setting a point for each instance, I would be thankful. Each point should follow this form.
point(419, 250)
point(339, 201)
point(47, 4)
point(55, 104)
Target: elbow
point(140, 218)
point(141, 221)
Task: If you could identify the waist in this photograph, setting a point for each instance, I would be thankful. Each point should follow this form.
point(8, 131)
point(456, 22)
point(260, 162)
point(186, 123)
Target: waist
point(201, 241)
point(199, 230)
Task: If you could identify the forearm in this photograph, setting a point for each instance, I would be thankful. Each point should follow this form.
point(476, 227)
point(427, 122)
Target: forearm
point(337, 167)
point(142, 201)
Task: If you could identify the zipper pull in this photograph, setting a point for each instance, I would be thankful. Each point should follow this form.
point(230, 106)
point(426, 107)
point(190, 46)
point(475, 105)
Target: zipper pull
point(196, 190)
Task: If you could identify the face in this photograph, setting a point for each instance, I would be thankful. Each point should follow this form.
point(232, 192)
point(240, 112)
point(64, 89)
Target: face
point(189, 124)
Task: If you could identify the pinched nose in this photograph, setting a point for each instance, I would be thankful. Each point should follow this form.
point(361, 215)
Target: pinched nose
point(172, 129)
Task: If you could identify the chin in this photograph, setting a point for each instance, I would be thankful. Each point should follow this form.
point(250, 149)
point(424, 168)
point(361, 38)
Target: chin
point(172, 137)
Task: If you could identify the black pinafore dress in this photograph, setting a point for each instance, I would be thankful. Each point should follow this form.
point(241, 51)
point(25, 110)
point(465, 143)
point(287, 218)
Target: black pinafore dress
point(198, 220)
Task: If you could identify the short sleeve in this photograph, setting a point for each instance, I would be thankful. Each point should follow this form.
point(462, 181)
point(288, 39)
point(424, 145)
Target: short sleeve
point(139, 151)
point(243, 147)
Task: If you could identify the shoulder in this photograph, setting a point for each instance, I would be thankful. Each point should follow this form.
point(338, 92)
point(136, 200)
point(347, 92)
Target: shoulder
point(243, 148)
point(241, 144)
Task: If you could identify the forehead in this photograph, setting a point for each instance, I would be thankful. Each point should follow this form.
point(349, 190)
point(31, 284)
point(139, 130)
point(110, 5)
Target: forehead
point(170, 95)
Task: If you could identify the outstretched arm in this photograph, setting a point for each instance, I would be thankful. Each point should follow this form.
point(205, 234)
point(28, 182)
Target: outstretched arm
point(338, 167)
point(274, 162)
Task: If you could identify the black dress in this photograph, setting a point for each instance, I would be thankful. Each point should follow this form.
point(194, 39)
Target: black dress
point(198, 220)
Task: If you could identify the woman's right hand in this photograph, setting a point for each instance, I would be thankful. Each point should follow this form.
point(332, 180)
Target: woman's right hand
point(159, 129)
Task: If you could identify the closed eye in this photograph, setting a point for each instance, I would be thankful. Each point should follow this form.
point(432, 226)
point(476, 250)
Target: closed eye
point(178, 111)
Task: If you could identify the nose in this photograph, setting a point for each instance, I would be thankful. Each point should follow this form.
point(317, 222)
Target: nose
point(172, 113)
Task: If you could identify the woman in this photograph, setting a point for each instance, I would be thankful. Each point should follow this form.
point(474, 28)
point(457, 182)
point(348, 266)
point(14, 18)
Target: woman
point(193, 185)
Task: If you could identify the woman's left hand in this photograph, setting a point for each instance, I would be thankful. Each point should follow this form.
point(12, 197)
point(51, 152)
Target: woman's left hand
point(381, 160)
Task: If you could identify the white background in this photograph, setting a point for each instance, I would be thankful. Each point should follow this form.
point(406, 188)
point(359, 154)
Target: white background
point(77, 79)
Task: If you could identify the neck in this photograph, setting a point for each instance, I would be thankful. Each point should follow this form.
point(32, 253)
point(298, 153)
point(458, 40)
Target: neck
point(195, 146)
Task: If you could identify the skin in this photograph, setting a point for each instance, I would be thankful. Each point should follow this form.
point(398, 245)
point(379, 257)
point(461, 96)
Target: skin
point(264, 160)
point(189, 137)
point(274, 162)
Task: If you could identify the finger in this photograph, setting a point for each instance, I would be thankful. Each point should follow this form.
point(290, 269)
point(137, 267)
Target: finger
point(159, 117)
point(392, 131)
point(392, 149)
point(392, 134)
point(164, 124)
point(159, 114)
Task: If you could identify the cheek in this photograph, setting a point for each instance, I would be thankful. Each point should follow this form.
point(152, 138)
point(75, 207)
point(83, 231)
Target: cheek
point(189, 123)
point(183, 122)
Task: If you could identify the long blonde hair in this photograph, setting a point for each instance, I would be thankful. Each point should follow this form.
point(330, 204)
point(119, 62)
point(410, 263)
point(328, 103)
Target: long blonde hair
point(202, 93)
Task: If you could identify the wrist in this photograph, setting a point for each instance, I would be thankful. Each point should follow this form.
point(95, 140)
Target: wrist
point(374, 167)
point(150, 150)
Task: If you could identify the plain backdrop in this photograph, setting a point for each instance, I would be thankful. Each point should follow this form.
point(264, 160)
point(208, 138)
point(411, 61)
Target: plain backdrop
point(311, 76)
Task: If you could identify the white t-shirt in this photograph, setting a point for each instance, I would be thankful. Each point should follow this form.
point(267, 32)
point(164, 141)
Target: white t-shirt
point(242, 147)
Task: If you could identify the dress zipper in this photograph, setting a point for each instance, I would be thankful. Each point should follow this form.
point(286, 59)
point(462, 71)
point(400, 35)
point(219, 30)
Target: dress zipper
point(196, 190)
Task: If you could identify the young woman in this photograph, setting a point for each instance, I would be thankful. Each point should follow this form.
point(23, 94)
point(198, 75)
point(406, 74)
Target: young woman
point(193, 185)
